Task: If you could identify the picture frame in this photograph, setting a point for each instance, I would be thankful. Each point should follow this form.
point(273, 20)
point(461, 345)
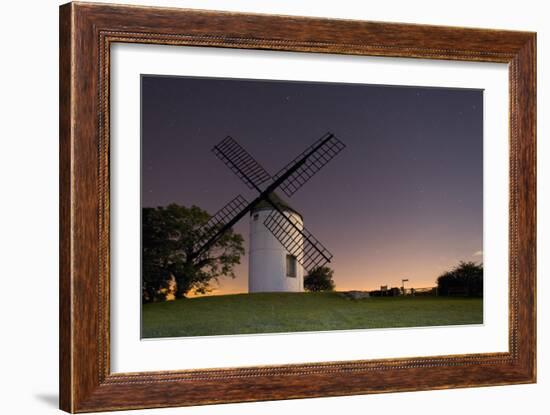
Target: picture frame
point(87, 32)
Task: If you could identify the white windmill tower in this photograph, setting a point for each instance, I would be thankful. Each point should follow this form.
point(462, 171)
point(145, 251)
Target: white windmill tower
point(271, 267)
point(281, 248)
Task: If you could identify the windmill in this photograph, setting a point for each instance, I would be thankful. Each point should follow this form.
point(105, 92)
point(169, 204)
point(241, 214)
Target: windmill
point(281, 221)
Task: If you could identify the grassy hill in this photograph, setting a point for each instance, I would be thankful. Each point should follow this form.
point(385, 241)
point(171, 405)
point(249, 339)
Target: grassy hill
point(291, 312)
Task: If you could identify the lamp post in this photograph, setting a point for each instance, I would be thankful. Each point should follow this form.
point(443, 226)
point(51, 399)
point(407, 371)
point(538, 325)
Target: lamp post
point(403, 281)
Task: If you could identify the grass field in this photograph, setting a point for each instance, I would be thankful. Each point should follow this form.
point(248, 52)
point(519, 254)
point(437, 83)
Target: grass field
point(291, 312)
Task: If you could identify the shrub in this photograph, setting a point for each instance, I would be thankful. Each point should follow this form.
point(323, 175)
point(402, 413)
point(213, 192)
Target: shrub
point(465, 279)
point(319, 279)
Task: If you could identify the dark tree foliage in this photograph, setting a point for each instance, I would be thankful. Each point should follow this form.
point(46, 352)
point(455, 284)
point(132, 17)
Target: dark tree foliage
point(465, 279)
point(169, 236)
point(319, 279)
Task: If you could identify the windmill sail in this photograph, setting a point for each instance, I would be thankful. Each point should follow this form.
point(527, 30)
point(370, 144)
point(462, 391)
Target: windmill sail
point(220, 222)
point(297, 240)
point(241, 163)
point(312, 159)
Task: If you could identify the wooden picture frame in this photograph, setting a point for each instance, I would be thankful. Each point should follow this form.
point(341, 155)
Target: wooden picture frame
point(86, 33)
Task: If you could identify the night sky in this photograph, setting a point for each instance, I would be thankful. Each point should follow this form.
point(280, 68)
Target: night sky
point(403, 200)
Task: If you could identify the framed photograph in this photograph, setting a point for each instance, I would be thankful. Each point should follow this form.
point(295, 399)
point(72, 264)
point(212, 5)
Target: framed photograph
point(259, 207)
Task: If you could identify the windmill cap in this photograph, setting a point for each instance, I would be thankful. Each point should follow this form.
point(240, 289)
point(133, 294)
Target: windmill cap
point(279, 202)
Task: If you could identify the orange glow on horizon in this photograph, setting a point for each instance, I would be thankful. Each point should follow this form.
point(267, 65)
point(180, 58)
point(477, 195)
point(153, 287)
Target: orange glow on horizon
point(354, 278)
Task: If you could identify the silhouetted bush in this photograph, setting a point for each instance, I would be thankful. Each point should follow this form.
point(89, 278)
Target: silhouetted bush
point(319, 279)
point(466, 280)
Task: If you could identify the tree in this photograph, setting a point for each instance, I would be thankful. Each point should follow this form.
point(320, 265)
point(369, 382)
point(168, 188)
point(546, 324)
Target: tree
point(319, 279)
point(169, 237)
point(464, 279)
